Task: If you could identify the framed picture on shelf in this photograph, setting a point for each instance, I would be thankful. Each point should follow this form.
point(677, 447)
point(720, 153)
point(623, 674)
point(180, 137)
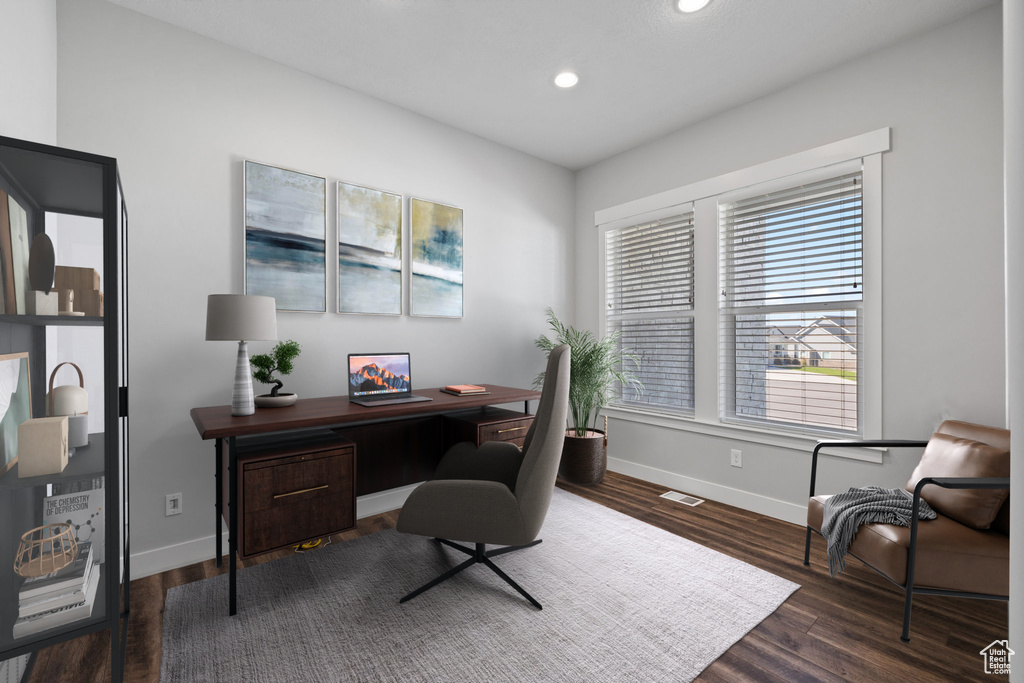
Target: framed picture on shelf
point(285, 237)
point(13, 255)
point(15, 404)
point(436, 259)
point(369, 250)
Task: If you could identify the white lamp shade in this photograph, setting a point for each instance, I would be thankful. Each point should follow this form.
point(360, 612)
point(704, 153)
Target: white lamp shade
point(238, 317)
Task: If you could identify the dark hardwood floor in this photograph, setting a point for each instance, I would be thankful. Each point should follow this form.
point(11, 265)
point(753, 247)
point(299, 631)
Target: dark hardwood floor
point(831, 629)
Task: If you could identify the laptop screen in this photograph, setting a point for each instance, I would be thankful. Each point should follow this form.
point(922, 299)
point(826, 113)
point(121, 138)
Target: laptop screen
point(373, 374)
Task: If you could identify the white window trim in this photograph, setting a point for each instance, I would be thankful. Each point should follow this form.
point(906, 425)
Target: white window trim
point(704, 195)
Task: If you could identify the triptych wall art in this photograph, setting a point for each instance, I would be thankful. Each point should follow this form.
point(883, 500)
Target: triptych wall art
point(285, 255)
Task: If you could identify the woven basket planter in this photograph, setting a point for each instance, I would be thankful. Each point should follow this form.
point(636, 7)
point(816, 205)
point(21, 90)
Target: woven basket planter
point(584, 458)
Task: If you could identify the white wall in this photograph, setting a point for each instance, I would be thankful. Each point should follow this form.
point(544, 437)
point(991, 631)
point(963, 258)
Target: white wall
point(28, 78)
point(1013, 141)
point(180, 113)
point(942, 249)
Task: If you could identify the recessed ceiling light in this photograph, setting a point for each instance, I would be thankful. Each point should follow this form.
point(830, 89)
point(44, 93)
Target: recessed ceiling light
point(567, 79)
point(691, 5)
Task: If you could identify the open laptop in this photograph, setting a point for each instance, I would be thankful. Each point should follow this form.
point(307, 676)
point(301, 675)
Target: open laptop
point(380, 379)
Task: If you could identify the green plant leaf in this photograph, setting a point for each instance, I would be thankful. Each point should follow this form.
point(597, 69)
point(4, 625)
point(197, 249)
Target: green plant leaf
point(596, 367)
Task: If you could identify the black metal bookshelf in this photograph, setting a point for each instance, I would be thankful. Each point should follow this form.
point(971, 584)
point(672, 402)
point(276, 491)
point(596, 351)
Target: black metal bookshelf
point(56, 190)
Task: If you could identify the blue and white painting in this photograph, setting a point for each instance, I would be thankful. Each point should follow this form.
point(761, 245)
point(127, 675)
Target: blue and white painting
point(286, 237)
point(436, 259)
point(369, 250)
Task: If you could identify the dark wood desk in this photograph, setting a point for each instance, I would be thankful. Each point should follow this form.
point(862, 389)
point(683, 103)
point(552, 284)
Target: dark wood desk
point(396, 445)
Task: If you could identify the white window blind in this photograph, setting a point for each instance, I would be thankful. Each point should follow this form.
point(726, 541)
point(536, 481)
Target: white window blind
point(800, 245)
point(649, 303)
point(791, 299)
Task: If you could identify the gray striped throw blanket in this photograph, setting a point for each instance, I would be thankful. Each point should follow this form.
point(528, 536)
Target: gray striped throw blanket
point(845, 512)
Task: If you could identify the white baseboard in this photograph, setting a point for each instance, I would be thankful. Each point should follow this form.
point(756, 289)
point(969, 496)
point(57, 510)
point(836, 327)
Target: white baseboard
point(762, 505)
point(149, 562)
point(158, 560)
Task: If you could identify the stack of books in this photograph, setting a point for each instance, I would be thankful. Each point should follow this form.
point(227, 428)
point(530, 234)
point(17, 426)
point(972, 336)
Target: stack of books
point(56, 599)
point(464, 389)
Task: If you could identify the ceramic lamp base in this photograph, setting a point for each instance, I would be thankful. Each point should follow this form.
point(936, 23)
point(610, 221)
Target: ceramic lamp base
point(241, 396)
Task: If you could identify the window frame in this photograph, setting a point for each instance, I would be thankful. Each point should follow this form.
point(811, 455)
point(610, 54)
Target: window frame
point(704, 197)
point(685, 209)
point(729, 309)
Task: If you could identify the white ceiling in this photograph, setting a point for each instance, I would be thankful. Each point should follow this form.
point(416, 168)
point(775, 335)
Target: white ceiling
point(486, 66)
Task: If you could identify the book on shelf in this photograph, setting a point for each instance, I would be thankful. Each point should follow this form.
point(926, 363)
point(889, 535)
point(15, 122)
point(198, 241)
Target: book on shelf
point(69, 577)
point(83, 510)
point(29, 625)
point(464, 389)
point(64, 597)
point(76, 486)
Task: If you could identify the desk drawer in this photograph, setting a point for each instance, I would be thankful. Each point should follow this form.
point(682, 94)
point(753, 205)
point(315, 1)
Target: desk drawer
point(293, 499)
point(513, 430)
point(487, 424)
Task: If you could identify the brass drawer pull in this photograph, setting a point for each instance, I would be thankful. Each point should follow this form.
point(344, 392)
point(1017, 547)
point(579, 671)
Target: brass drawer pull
point(511, 429)
point(295, 493)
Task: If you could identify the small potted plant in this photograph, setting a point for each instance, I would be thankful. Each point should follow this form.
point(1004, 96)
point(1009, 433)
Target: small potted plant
point(595, 368)
point(279, 361)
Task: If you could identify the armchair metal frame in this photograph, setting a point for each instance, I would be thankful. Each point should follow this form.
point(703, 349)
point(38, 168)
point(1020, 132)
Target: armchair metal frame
point(945, 482)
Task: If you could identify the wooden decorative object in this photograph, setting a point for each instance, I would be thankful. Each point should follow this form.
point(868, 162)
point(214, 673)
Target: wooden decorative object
point(89, 302)
point(81, 279)
point(42, 446)
point(45, 549)
point(84, 285)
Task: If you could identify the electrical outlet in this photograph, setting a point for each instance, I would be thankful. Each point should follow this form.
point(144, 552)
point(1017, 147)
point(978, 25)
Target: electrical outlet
point(173, 504)
point(736, 457)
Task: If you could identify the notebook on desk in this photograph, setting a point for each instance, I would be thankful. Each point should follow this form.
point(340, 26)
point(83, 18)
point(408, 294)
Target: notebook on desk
point(380, 379)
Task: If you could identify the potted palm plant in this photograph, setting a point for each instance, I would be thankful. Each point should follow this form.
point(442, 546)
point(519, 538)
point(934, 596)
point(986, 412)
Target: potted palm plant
point(596, 367)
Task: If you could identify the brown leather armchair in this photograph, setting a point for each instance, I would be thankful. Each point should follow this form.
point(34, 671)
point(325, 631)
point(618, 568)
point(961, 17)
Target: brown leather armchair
point(965, 552)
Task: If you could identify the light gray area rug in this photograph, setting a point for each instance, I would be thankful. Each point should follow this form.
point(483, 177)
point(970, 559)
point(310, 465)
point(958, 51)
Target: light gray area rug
point(623, 601)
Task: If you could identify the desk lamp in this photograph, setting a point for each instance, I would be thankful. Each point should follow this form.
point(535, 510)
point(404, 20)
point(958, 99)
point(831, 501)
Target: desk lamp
point(238, 317)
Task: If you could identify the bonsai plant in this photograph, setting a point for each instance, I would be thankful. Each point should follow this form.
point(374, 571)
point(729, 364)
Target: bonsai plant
point(596, 366)
point(280, 361)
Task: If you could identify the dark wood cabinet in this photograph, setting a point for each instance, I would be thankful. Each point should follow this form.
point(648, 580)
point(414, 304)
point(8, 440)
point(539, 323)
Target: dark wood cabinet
point(294, 489)
point(487, 424)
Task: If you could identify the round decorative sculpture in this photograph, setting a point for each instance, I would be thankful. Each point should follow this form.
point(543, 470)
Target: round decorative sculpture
point(45, 549)
point(41, 263)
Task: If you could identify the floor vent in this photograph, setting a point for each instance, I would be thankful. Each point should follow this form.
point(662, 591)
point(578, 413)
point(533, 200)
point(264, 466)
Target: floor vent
point(682, 498)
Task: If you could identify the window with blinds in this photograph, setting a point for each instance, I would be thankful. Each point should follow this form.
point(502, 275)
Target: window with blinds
point(649, 303)
point(790, 312)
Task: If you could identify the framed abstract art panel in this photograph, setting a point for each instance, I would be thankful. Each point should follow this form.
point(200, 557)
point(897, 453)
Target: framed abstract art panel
point(369, 250)
point(285, 237)
point(436, 245)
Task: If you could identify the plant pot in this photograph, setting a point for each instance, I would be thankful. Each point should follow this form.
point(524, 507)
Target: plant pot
point(279, 401)
point(584, 458)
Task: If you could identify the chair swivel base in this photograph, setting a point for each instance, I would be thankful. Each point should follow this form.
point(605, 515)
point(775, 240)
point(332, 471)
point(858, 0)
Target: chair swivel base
point(477, 555)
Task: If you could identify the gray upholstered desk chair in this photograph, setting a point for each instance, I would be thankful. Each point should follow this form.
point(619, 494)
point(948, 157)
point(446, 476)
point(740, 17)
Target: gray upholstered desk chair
point(496, 493)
